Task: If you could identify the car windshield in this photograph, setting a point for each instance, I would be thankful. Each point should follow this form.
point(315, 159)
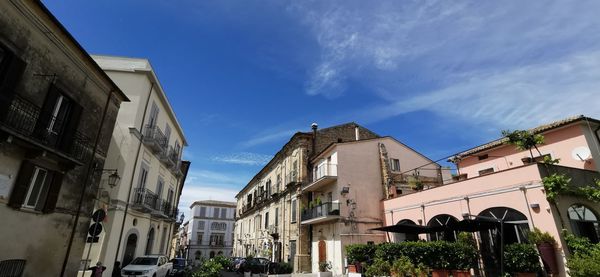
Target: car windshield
point(145, 261)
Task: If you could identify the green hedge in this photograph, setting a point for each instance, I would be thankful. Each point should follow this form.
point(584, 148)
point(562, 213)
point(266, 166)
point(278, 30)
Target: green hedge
point(435, 254)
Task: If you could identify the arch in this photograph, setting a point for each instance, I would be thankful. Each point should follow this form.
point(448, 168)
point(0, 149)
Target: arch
point(197, 255)
point(130, 247)
point(516, 227)
point(212, 254)
point(398, 237)
point(442, 220)
point(150, 241)
point(584, 222)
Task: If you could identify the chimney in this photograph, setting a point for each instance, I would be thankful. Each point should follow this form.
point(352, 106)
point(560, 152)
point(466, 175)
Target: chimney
point(314, 127)
point(356, 132)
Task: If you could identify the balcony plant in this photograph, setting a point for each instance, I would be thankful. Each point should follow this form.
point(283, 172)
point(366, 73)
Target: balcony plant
point(524, 140)
point(545, 244)
point(521, 260)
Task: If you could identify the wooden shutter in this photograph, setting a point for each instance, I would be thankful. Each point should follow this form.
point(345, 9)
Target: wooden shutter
point(10, 74)
point(45, 117)
point(53, 191)
point(19, 191)
point(66, 141)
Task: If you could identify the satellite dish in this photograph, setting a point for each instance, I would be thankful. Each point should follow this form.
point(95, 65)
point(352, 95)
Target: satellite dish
point(581, 153)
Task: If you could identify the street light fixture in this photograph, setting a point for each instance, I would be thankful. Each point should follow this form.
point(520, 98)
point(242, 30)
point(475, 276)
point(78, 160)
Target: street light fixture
point(113, 178)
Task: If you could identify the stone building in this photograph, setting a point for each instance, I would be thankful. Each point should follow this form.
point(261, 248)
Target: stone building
point(210, 230)
point(145, 150)
point(268, 207)
point(57, 111)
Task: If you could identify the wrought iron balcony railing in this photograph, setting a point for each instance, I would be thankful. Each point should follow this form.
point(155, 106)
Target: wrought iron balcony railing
point(155, 138)
point(145, 198)
point(28, 120)
point(323, 210)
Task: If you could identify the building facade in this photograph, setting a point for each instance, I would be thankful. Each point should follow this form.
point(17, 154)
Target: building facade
point(57, 111)
point(210, 231)
point(145, 150)
point(348, 182)
point(498, 182)
point(268, 208)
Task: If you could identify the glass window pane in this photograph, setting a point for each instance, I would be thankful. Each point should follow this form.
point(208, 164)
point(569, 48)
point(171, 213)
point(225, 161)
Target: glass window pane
point(37, 182)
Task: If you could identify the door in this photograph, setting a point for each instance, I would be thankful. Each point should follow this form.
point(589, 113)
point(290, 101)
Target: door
point(322, 251)
point(292, 252)
point(130, 249)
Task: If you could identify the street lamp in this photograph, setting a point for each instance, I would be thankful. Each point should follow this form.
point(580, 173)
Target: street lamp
point(113, 178)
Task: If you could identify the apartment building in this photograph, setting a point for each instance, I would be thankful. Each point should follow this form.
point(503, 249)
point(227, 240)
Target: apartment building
point(210, 231)
point(348, 182)
point(268, 207)
point(145, 150)
point(501, 184)
point(57, 110)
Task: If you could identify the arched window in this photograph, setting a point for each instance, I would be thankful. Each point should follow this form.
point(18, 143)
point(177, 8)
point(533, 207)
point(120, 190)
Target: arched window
point(516, 227)
point(584, 222)
point(212, 254)
point(441, 221)
point(398, 237)
point(214, 226)
point(197, 255)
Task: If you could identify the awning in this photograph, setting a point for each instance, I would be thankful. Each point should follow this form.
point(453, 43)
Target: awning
point(473, 225)
point(405, 228)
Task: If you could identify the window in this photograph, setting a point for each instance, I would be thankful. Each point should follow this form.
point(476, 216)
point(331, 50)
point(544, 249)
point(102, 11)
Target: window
point(584, 222)
point(202, 211)
point(167, 133)
point(395, 164)
point(159, 187)
point(199, 236)
point(486, 171)
point(178, 149)
point(153, 115)
point(201, 225)
point(293, 216)
point(11, 69)
point(35, 188)
point(276, 216)
point(268, 187)
point(266, 220)
point(223, 213)
point(144, 169)
point(216, 212)
point(257, 221)
point(217, 239)
point(278, 183)
point(482, 157)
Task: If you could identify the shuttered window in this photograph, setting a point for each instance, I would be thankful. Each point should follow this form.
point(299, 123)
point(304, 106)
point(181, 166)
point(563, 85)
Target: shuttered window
point(35, 188)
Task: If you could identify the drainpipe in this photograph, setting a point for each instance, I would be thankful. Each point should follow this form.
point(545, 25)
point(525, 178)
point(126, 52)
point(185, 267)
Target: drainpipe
point(137, 157)
point(90, 169)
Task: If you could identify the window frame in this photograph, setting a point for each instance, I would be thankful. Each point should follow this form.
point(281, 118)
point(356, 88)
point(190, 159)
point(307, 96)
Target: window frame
point(31, 185)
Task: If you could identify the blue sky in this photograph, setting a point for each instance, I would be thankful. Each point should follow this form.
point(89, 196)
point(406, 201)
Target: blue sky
point(439, 76)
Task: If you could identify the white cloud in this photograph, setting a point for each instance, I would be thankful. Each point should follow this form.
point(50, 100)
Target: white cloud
point(244, 158)
point(507, 64)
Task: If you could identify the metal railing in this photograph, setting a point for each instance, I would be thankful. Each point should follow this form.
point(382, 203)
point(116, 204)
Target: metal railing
point(27, 119)
point(145, 197)
point(325, 170)
point(291, 177)
point(155, 138)
point(325, 209)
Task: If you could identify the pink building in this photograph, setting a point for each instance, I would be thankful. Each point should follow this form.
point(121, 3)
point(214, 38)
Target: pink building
point(495, 181)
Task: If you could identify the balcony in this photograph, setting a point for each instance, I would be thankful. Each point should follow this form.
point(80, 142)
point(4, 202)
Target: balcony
point(324, 174)
point(176, 169)
point(144, 200)
point(26, 122)
point(292, 178)
point(321, 213)
point(155, 139)
point(172, 157)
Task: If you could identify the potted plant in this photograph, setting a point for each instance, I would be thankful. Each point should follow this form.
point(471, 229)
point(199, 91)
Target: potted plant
point(403, 267)
point(324, 267)
point(521, 260)
point(524, 140)
point(357, 254)
point(463, 255)
point(379, 267)
point(545, 244)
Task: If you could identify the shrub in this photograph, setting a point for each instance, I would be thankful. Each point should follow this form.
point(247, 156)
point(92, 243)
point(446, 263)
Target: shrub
point(462, 255)
point(360, 253)
point(403, 267)
point(210, 268)
point(378, 268)
point(285, 268)
point(585, 263)
point(538, 237)
point(521, 258)
point(577, 245)
point(223, 261)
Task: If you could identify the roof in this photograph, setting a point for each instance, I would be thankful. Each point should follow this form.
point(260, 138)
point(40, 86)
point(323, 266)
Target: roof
point(82, 51)
point(213, 203)
point(537, 130)
point(139, 65)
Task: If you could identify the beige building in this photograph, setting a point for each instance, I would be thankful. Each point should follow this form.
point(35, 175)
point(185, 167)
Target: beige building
point(348, 182)
point(57, 110)
point(268, 207)
point(145, 150)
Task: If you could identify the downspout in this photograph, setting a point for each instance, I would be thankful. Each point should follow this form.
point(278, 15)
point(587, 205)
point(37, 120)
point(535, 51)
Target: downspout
point(91, 167)
point(137, 157)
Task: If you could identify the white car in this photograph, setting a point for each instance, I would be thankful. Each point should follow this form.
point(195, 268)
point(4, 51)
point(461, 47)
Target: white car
point(148, 266)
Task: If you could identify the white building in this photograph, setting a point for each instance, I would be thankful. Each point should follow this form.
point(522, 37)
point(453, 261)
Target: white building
point(210, 231)
point(145, 150)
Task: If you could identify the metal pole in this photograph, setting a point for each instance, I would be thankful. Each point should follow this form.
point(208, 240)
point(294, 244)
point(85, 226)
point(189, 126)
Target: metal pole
point(501, 247)
point(87, 175)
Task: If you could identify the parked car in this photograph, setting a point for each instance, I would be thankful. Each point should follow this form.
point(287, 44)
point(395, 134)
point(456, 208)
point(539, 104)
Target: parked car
point(148, 266)
point(179, 266)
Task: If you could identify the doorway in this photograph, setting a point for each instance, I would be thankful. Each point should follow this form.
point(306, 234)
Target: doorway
point(130, 249)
